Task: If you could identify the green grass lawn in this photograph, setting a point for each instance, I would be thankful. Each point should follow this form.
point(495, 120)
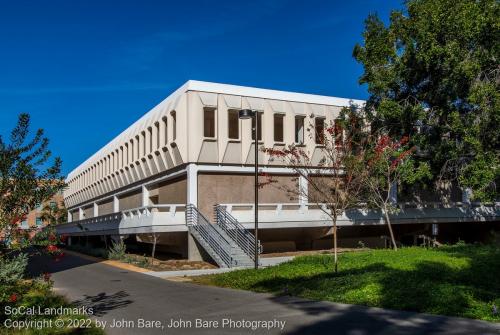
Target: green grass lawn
point(459, 280)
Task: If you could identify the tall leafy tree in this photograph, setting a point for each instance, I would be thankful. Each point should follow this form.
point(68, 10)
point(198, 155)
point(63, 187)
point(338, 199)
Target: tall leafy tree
point(433, 74)
point(28, 176)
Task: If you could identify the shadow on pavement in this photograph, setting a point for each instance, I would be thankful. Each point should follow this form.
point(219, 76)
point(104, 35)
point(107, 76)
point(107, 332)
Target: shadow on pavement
point(103, 303)
point(40, 262)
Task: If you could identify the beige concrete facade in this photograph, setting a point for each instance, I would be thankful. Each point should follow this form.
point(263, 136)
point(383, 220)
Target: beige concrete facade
point(198, 124)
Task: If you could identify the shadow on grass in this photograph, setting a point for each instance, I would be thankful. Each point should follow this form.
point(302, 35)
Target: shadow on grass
point(465, 283)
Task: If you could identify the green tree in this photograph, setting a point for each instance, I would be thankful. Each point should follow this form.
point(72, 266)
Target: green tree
point(54, 214)
point(433, 74)
point(27, 175)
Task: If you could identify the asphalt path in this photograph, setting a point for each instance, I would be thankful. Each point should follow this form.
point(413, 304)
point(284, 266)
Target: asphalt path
point(126, 302)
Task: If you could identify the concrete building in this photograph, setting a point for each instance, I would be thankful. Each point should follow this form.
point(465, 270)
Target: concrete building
point(163, 175)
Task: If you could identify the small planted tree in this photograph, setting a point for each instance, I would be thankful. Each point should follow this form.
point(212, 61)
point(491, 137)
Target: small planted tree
point(335, 180)
point(153, 250)
point(388, 165)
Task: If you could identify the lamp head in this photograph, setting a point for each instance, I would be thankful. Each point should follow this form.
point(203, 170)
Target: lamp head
point(246, 114)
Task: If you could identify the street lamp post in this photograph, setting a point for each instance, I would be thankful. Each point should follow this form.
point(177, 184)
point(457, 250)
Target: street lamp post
point(246, 114)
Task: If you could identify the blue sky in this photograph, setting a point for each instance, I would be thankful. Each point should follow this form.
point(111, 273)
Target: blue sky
point(85, 70)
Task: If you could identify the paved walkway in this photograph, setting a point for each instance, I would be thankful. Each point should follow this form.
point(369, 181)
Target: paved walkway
point(119, 295)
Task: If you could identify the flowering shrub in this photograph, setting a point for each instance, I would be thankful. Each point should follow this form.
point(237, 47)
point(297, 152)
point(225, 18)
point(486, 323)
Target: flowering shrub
point(12, 269)
point(13, 297)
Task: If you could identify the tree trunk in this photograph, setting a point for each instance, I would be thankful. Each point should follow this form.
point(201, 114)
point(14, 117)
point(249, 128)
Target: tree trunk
point(388, 222)
point(154, 248)
point(335, 258)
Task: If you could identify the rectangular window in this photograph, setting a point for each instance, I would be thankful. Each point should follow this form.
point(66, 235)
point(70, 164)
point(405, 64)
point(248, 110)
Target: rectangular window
point(233, 125)
point(39, 222)
point(278, 127)
point(319, 126)
point(53, 204)
point(174, 126)
point(299, 129)
point(209, 122)
point(259, 118)
point(24, 224)
point(165, 130)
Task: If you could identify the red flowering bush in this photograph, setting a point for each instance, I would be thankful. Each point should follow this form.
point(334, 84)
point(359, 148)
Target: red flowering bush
point(52, 248)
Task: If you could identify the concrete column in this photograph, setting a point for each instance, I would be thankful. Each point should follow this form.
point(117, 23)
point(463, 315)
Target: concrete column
point(141, 144)
point(96, 209)
point(194, 250)
point(145, 197)
point(192, 184)
point(81, 214)
point(394, 193)
point(70, 217)
point(116, 204)
point(155, 135)
point(466, 195)
point(303, 191)
point(162, 133)
point(149, 147)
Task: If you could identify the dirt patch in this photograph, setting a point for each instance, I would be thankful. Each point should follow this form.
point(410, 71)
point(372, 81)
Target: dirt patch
point(169, 265)
point(310, 252)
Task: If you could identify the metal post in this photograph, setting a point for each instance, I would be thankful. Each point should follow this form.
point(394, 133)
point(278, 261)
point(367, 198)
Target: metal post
point(246, 114)
point(256, 115)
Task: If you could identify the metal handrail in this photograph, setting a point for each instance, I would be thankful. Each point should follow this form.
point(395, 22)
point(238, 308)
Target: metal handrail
point(209, 233)
point(236, 231)
point(401, 205)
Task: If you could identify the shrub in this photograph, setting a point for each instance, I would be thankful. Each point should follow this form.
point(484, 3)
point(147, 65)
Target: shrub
point(12, 269)
point(117, 251)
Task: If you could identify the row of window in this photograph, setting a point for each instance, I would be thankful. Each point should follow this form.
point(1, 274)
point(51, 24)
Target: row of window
point(233, 126)
point(278, 127)
point(25, 225)
point(39, 207)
